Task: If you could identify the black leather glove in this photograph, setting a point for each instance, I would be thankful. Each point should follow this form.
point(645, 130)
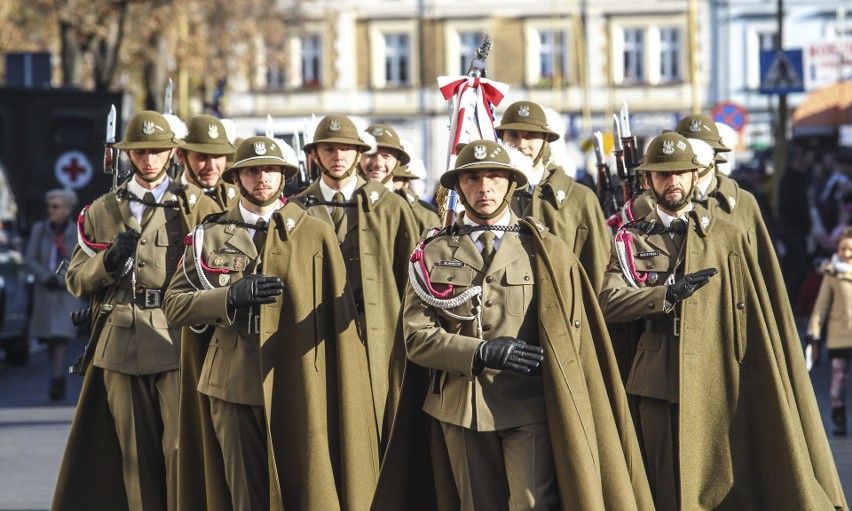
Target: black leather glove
point(122, 248)
point(54, 282)
point(688, 284)
point(508, 353)
point(254, 290)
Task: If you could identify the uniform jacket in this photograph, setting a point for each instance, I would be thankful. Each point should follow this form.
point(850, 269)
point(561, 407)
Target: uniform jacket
point(833, 307)
point(310, 364)
point(53, 306)
point(598, 463)
point(93, 428)
point(423, 212)
point(571, 212)
point(748, 432)
point(225, 195)
point(377, 237)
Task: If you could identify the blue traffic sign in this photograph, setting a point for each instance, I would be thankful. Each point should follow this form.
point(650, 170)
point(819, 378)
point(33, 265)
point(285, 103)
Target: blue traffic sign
point(781, 72)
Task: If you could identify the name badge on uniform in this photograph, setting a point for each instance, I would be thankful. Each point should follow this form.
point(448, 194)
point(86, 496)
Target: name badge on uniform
point(653, 253)
point(451, 264)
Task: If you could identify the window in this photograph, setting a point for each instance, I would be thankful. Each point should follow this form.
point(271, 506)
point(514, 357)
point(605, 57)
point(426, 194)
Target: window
point(469, 42)
point(634, 55)
point(397, 60)
point(552, 61)
point(311, 61)
point(670, 55)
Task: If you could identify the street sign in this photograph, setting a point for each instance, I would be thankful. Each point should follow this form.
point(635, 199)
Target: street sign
point(730, 113)
point(73, 169)
point(781, 72)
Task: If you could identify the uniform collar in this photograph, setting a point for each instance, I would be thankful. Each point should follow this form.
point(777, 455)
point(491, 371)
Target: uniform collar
point(504, 221)
point(250, 217)
point(667, 219)
point(138, 190)
point(347, 191)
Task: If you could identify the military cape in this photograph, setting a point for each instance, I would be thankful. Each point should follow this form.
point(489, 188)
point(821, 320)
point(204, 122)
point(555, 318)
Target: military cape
point(93, 455)
point(571, 212)
point(596, 453)
point(387, 233)
point(322, 439)
point(750, 433)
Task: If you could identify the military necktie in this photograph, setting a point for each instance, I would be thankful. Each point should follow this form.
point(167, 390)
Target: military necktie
point(260, 240)
point(487, 239)
point(149, 210)
point(678, 228)
point(337, 211)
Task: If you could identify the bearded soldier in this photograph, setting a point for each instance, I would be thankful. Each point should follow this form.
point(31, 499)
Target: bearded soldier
point(285, 374)
point(204, 154)
point(571, 211)
point(376, 232)
point(129, 247)
point(722, 411)
point(389, 166)
point(509, 427)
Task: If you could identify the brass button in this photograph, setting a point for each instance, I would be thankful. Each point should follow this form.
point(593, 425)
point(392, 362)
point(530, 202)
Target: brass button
point(450, 278)
point(740, 305)
point(141, 264)
point(526, 277)
point(488, 303)
point(489, 279)
point(143, 242)
point(486, 328)
point(650, 305)
point(577, 323)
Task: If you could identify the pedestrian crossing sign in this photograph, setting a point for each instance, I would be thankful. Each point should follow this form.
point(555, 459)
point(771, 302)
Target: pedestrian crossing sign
point(781, 72)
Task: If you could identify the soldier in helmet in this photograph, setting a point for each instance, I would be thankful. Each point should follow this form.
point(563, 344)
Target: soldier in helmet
point(506, 421)
point(285, 367)
point(204, 155)
point(130, 241)
point(376, 232)
point(569, 210)
point(709, 375)
point(389, 166)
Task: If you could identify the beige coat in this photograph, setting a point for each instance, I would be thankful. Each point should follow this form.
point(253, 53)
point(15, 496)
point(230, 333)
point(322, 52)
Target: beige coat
point(833, 309)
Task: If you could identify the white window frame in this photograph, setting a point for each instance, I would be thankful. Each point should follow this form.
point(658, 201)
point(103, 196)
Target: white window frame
point(377, 32)
point(671, 55)
point(455, 52)
point(634, 72)
point(311, 52)
point(534, 30)
point(468, 43)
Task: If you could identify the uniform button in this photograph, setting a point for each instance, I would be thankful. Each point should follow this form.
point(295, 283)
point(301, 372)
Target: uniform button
point(450, 278)
point(141, 264)
point(143, 242)
point(650, 305)
point(526, 277)
point(740, 306)
point(489, 279)
point(218, 320)
point(577, 323)
point(650, 266)
point(488, 303)
point(486, 328)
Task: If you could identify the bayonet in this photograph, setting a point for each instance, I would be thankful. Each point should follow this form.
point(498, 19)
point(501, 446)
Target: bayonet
point(110, 126)
point(167, 103)
point(625, 120)
point(110, 151)
point(598, 139)
point(618, 147)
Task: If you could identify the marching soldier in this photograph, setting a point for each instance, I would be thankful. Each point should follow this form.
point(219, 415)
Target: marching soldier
point(569, 210)
point(509, 428)
point(270, 281)
point(376, 232)
point(130, 241)
point(204, 155)
point(709, 371)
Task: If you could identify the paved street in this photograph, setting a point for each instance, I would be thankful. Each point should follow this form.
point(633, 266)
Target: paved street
point(33, 432)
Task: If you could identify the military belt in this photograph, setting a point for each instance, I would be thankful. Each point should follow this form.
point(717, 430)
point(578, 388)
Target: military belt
point(670, 326)
point(148, 298)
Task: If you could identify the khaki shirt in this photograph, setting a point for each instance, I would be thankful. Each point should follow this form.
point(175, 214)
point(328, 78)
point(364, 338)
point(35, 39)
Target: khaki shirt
point(136, 340)
point(657, 258)
point(493, 400)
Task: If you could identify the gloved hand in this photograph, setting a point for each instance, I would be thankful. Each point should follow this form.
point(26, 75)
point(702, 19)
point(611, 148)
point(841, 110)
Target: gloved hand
point(508, 353)
point(816, 344)
point(254, 290)
point(122, 248)
point(688, 284)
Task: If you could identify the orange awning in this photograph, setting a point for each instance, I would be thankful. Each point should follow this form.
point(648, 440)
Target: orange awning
point(823, 110)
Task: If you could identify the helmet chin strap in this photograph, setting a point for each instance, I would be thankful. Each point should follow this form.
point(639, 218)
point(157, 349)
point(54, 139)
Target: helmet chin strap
point(497, 212)
point(257, 202)
point(331, 176)
point(543, 154)
point(706, 170)
point(189, 169)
